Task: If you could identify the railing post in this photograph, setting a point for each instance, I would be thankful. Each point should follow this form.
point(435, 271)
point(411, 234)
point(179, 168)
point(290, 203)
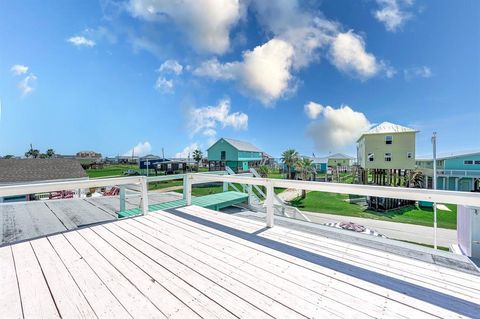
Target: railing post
point(249, 191)
point(144, 195)
point(269, 204)
point(225, 186)
point(184, 186)
point(122, 198)
point(188, 190)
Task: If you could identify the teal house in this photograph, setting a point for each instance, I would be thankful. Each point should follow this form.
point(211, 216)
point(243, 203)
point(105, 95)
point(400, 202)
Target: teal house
point(238, 155)
point(459, 171)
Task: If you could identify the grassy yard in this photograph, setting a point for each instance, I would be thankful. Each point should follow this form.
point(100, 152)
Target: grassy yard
point(165, 184)
point(110, 171)
point(330, 203)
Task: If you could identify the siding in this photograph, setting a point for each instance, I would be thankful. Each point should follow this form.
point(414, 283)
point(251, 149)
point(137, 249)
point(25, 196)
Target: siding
point(375, 143)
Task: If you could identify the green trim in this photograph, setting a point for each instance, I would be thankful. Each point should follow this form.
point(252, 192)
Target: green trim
point(213, 201)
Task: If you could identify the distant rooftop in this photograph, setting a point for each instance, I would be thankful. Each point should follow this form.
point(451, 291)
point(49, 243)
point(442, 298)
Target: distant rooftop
point(29, 170)
point(241, 145)
point(340, 155)
point(387, 127)
point(447, 155)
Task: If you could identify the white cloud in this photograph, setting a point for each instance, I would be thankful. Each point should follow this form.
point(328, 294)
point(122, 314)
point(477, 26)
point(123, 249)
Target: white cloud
point(313, 110)
point(349, 55)
point(337, 128)
point(26, 85)
point(207, 120)
point(19, 69)
point(171, 66)
point(187, 151)
point(79, 41)
point(207, 23)
point(264, 72)
point(393, 13)
point(140, 149)
point(164, 85)
point(417, 72)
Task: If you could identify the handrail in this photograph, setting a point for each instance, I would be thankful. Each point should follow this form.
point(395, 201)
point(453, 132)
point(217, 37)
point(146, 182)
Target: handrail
point(440, 196)
point(11, 190)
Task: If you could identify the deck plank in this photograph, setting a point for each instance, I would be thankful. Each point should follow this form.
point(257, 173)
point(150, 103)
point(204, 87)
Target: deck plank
point(100, 298)
point(79, 211)
point(33, 286)
point(69, 300)
point(10, 303)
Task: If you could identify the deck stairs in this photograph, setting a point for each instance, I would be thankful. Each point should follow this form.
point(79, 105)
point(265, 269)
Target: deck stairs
point(257, 198)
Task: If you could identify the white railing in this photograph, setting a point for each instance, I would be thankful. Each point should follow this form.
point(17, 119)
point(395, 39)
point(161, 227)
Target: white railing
point(414, 194)
point(140, 181)
point(458, 172)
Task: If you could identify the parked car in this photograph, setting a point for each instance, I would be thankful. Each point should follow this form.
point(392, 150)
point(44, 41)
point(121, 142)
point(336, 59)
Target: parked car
point(131, 172)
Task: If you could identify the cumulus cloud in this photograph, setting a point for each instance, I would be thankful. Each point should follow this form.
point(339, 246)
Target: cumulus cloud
point(206, 120)
point(187, 151)
point(140, 149)
point(336, 128)
point(207, 23)
point(264, 71)
point(417, 72)
point(81, 41)
point(19, 69)
point(171, 66)
point(393, 13)
point(164, 85)
point(349, 55)
point(313, 110)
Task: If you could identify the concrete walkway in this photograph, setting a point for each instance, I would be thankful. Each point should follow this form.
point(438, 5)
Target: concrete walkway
point(409, 232)
point(290, 194)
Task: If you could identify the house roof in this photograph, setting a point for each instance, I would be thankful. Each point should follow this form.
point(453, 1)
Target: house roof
point(150, 157)
point(387, 127)
point(240, 145)
point(447, 155)
point(340, 155)
point(28, 170)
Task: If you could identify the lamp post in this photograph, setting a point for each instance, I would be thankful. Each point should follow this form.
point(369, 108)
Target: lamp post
point(434, 143)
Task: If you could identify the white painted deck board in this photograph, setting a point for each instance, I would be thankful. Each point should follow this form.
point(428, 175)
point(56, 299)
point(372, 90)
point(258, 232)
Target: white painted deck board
point(193, 262)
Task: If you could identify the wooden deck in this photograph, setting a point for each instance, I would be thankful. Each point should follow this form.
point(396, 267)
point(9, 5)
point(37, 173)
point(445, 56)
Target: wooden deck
point(27, 220)
point(193, 262)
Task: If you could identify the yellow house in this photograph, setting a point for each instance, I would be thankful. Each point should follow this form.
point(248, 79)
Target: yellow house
point(387, 146)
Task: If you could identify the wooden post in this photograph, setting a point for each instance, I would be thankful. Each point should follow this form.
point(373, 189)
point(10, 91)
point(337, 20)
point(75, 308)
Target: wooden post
point(184, 186)
point(249, 191)
point(188, 190)
point(269, 204)
point(122, 198)
point(144, 195)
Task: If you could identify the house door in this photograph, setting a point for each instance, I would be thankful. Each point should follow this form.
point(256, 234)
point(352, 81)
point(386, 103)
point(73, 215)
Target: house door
point(245, 166)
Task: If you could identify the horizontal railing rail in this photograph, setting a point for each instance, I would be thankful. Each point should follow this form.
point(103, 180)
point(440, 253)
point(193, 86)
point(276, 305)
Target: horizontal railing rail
point(12, 190)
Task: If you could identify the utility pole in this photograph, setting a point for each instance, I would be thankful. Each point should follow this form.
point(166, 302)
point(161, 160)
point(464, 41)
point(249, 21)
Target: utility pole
point(434, 143)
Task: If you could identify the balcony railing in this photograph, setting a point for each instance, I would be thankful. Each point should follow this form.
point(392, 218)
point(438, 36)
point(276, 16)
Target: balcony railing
point(458, 172)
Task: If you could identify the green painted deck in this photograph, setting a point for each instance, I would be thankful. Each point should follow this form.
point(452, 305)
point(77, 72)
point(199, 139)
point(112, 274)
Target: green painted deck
point(213, 201)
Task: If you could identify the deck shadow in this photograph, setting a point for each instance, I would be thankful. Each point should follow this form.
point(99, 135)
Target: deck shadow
point(439, 299)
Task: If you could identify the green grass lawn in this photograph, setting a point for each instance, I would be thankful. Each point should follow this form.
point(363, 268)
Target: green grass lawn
point(165, 184)
point(426, 245)
point(330, 203)
point(110, 170)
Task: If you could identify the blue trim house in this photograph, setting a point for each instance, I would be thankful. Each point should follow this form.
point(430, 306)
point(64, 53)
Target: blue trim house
point(238, 155)
point(458, 171)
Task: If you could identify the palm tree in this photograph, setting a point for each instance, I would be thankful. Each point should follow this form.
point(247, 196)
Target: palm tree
point(416, 179)
point(50, 152)
point(197, 156)
point(289, 158)
point(306, 169)
point(32, 153)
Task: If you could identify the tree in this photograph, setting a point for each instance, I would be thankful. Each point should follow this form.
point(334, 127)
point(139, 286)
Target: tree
point(263, 171)
point(8, 156)
point(50, 152)
point(416, 179)
point(43, 155)
point(290, 159)
point(32, 153)
point(306, 169)
point(197, 156)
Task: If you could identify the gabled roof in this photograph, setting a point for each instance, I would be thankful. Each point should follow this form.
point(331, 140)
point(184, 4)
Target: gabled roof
point(387, 127)
point(239, 145)
point(447, 155)
point(29, 170)
point(340, 155)
point(150, 157)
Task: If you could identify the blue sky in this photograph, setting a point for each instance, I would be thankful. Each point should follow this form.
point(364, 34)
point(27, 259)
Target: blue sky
point(311, 75)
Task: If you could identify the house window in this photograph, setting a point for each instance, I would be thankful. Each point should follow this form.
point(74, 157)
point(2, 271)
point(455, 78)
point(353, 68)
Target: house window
point(477, 162)
point(222, 155)
point(388, 157)
point(180, 165)
point(409, 155)
point(468, 162)
point(388, 139)
point(371, 157)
